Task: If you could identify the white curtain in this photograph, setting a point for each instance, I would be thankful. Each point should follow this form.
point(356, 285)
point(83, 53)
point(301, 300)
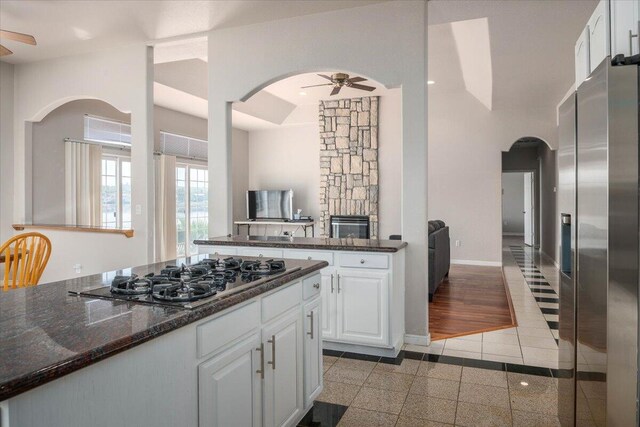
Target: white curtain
point(83, 170)
point(165, 227)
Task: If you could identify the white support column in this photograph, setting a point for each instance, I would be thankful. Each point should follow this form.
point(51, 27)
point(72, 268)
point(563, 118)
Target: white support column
point(219, 165)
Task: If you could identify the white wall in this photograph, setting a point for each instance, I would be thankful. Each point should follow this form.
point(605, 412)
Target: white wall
point(240, 171)
point(513, 203)
point(6, 150)
point(465, 145)
point(287, 157)
point(122, 77)
point(385, 42)
point(390, 164)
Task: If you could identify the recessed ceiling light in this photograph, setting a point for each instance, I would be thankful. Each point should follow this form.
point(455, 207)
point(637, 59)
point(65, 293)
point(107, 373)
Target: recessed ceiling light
point(302, 93)
point(524, 383)
point(430, 82)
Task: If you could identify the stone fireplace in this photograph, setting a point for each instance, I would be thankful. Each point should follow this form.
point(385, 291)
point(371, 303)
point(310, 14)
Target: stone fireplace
point(349, 160)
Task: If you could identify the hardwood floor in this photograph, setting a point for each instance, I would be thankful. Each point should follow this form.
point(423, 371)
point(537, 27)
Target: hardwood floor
point(474, 299)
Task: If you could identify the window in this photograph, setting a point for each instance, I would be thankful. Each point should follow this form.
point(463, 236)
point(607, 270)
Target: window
point(192, 207)
point(115, 194)
point(108, 131)
point(183, 146)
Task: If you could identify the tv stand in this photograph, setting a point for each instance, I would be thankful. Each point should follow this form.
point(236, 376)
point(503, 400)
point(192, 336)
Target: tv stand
point(289, 223)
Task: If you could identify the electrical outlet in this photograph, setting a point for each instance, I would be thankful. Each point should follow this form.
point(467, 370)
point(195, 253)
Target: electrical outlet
point(77, 268)
point(457, 243)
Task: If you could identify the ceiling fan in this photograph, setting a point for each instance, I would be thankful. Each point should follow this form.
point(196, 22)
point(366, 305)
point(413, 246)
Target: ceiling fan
point(339, 80)
point(19, 37)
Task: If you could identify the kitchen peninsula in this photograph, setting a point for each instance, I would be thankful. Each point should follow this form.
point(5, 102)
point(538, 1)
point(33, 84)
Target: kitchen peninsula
point(247, 354)
point(362, 286)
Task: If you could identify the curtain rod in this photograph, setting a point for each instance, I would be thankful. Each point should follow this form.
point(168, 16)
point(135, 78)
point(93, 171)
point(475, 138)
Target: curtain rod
point(105, 144)
point(160, 153)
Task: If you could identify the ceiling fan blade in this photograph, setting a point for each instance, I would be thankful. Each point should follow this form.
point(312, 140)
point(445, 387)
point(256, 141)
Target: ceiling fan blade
point(326, 77)
point(357, 79)
point(19, 37)
point(4, 51)
point(363, 87)
point(335, 90)
point(324, 84)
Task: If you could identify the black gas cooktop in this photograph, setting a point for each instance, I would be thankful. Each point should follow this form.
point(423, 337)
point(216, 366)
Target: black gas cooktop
point(188, 286)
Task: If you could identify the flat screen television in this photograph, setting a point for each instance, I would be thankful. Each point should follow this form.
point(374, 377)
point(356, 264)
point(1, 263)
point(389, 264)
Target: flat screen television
point(270, 204)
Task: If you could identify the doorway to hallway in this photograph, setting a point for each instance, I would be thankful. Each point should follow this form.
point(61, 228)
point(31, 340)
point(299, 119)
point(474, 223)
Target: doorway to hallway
point(518, 206)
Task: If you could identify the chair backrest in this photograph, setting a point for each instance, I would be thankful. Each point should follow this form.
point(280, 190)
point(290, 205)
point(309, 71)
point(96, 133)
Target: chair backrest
point(25, 257)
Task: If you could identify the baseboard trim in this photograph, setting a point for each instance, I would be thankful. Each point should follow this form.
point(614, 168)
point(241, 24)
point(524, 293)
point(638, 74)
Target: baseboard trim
point(417, 339)
point(476, 262)
point(513, 234)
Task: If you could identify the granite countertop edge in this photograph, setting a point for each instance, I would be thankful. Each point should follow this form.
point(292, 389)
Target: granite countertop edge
point(45, 374)
point(301, 245)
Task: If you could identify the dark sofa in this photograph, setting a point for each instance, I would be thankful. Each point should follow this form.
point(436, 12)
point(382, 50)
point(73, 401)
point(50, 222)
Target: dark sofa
point(439, 255)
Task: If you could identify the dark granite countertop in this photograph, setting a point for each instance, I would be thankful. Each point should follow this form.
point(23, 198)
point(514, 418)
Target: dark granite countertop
point(46, 333)
point(326, 243)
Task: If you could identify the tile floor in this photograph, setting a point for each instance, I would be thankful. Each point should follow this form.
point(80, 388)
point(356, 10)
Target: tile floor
point(429, 390)
point(532, 280)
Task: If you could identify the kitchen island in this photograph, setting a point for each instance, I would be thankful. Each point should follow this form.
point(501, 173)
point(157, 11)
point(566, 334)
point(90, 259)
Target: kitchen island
point(362, 286)
point(68, 360)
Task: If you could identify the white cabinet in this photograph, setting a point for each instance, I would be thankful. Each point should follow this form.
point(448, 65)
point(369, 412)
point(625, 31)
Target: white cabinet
point(312, 351)
point(583, 67)
point(625, 24)
point(329, 303)
point(283, 382)
point(260, 252)
point(599, 34)
point(230, 386)
point(363, 306)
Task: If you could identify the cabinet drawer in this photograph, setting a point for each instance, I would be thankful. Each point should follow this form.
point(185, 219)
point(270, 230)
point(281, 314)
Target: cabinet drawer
point(359, 260)
point(261, 252)
point(222, 330)
point(217, 250)
point(281, 301)
point(311, 286)
point(310, 255)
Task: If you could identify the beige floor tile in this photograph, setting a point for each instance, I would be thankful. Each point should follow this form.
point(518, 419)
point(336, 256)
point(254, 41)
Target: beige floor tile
point(460, 344)
point(532, 419)
point(538, 342)
point(544, 403)
point(362, 365)
point(408, 366)
point(355, 417)
point(329, 360)
point(417, 422)
point(484, 395)
point(474, 415)
point(432, 408)
point(530, 384)
point(343, 374)
point(501, 349)
point(390, 381)
point(490, 337)
point(443, 371)
point(375, 399)
point(460, 353)
point(338, 393)
point(435, 387)
point(504, 359)
point(534, 332)
point(484, 377)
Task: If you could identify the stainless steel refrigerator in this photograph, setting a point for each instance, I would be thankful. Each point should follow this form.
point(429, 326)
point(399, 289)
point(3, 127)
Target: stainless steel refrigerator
point(598, 161)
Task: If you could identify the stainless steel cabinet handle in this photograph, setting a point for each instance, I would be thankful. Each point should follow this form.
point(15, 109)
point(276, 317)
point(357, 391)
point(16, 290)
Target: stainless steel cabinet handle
point(259, 255)
point(631, 36)
point(309, 258)
point(331, 283)
point(272, 341)
point(338, 283)
point(261, 370)
point(310, 316)
point(361, 261)
point(316, 285)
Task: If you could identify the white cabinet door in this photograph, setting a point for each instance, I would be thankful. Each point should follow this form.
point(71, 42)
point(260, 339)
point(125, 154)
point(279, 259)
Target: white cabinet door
point(583, 68)
point(363, 306)
point(230, 389)
point(260, 252)
point(329, 303)
point(312, 352)
point(283, 382)
point(625, 24)
point(599, 34)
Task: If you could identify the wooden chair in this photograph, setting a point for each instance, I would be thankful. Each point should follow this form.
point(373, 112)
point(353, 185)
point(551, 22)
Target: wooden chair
point(25, 258)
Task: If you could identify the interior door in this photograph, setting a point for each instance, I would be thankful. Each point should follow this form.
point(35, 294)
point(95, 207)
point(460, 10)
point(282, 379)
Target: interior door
point(528, 208)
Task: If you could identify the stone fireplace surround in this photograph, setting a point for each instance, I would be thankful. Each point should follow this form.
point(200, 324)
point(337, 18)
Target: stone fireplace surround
point(349, 160)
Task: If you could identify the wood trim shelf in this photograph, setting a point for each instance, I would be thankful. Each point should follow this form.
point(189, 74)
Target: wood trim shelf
point(83, 228)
